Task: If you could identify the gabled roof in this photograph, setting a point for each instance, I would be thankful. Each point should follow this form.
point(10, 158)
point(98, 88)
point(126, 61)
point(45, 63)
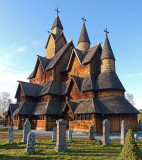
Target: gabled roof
point(77, 81)
point(116, 105)
point(107, 51)
point(109, 80)
point(43, 61)
point(25, 108)
point(29, 89)
point(91, 52)
point(58, 55)
point(57, 23)
point(84, 35)
point(13, 107)
point(55, 38)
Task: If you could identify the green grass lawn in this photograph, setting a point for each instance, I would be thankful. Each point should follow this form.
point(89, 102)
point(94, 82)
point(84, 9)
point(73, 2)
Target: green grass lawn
point(78, 149)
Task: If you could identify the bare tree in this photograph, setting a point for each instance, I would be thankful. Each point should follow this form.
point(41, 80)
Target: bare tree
point(130, 98)
point(4, 101)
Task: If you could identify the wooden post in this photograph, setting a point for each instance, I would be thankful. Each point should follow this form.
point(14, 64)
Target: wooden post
point(46, 127)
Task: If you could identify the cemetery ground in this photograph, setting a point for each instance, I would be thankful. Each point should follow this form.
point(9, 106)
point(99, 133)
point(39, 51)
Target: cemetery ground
point(79, 148)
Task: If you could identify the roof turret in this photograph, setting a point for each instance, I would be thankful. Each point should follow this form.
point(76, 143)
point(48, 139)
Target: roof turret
point(107, 52)
point(84, 35)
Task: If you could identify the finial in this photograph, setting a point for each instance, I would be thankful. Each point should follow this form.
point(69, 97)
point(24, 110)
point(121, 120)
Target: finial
point(57, 10)
point(106, 31)
point(83, 19)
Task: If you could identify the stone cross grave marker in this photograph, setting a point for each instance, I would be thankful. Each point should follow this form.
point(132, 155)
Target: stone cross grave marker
point(54, 134)
point(136, 137)
point(91, 132)
point(69, 134)
point(106, 132)
point(10, 134)
point(123, 132)
point(30, 142)
point(26, 130)
point(61, 145)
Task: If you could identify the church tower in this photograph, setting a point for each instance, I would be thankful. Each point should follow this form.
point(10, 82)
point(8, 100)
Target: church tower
point(107, 58)
point(56, 39)
point(83, 42)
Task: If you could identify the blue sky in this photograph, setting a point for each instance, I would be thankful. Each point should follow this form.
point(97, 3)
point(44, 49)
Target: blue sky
point(23, 35)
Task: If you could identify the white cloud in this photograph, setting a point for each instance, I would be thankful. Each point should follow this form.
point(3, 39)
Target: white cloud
point(35, 43)
point(135, 75)
point(9, 71)
point(138, 101)
point(21, 49)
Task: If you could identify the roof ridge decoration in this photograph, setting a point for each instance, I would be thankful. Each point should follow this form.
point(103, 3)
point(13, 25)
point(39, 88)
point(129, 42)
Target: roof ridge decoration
point(107, 51)
point(57, 22)
point(83, 35)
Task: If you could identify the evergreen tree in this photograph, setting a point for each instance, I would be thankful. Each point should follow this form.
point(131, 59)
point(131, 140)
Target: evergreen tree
point(130, 150)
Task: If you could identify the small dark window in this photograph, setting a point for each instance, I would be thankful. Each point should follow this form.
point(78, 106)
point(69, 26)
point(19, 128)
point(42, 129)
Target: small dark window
point(78, 117)
point(86, 117)
point(75, 117)
point(90, 116)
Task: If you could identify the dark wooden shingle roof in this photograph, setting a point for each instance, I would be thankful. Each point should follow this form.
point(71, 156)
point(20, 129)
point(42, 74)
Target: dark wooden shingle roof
point(109, 80)
point(84, 35)
point(107, 51)
point(57, 23)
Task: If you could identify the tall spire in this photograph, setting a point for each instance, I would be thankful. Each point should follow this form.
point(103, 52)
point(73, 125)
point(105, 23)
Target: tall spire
point(83, 42)
point(84, 35)
point(107, 52)
point(57, 22)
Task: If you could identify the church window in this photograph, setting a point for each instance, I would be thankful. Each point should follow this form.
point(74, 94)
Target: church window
point(78, 117)
point(90, 116)
point(86, 117)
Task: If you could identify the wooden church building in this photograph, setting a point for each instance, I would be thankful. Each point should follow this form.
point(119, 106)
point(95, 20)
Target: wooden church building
point(79, 85)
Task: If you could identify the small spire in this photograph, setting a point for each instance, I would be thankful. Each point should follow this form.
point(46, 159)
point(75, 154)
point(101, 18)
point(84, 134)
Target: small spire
point(84, 35)
point(107, 52)
point(57, 22)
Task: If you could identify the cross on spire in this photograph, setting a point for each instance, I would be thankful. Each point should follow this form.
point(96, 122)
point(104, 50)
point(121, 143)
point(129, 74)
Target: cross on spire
point(83, 19)
point(57, 10)
point(106, 31)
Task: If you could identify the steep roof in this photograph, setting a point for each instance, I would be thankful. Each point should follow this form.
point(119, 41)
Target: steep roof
point(25, 108)
point(116, 105)
point(57, 23)
point(91, 52)
point(13, 107)
point(29, 89)
point(109, 80)
point(50, 107)
point(107, 51)
point(58, 55)
point(84, 35)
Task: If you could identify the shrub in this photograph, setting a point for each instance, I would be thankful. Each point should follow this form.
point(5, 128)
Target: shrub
point(130, 150)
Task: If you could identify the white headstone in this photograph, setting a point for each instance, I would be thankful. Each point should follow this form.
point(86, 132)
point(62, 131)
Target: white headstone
point(136, 137)
point(10, 134)
point(70, 135)
point(30, 142)
point(26, 130)
point(54, 134)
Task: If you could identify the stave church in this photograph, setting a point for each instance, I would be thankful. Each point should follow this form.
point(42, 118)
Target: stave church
point(79, 85)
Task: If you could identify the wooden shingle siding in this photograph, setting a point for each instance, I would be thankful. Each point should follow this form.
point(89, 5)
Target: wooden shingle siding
point(110, 93)
point(39, 76)
point(50, 50)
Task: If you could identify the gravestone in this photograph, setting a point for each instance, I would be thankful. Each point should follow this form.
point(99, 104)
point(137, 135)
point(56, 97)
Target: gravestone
point(123, 132)
point(54, 134)
point(91, 132)
point(106, 132)
point(61, 145)
point(26, 130)
point(70, 135)
point(30, 142)
point(136, 137)
point(10, 134)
